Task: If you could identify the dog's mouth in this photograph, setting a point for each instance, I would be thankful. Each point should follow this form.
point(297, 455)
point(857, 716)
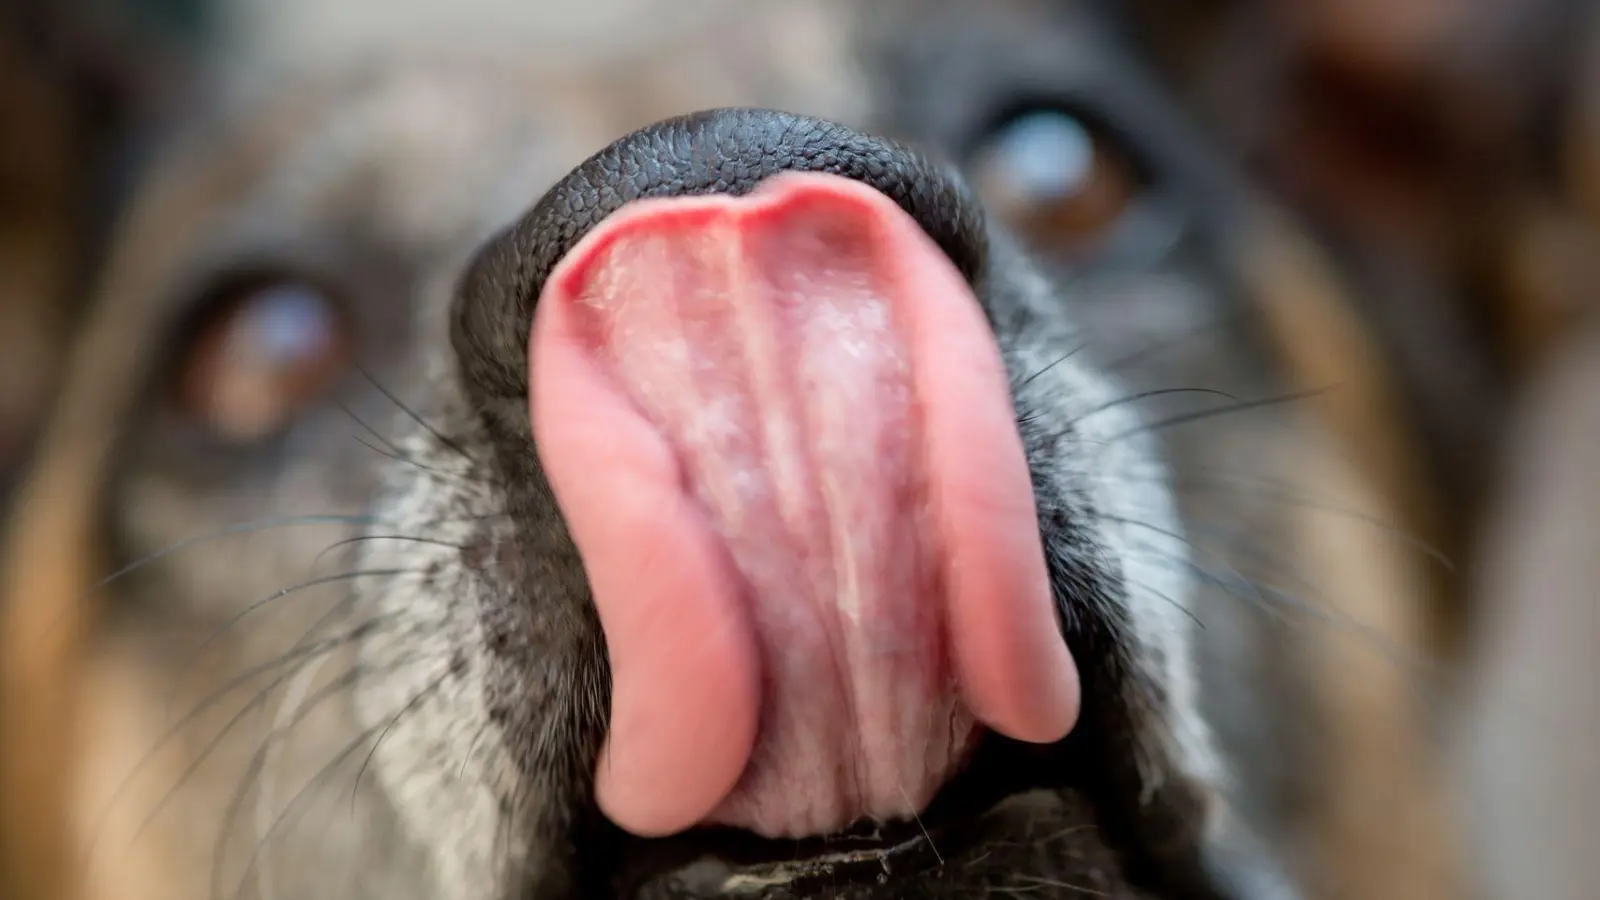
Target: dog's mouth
point(736, 864)
point(1003, 823)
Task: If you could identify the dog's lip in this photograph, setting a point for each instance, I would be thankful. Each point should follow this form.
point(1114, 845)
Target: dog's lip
point(865, 855)
point(986, 801)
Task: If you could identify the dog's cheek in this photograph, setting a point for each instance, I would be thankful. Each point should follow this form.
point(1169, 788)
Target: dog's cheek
point(420, 690)
point(1119, 558)
point(421, 695)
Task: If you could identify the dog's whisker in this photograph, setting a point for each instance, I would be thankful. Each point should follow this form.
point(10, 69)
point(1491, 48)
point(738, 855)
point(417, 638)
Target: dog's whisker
point(1247, 546)
point(248, 527)
point(416, 417)
point(256, 703)
point(1146, 395)
point(308, 653)
point(1222, 324)
point(394, 451)
point(1170, 600)
point(1186, 541)
point(294, 700)
point(1224, 480)
point(258, 757)
point(292, 589)
point(399, 456)
point(1021, 385)
point(1215, 412)
point(344, 605)
point(1292, 609)
point(355, 787)
point(1272, 566)
point(346, 542)
point(472, 746)
point(316, 781)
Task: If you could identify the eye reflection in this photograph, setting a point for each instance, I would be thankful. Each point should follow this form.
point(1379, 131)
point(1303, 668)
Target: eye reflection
point(269, 350)
point(1055, 178)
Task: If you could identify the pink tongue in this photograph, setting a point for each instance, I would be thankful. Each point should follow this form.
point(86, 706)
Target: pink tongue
point(779, 429)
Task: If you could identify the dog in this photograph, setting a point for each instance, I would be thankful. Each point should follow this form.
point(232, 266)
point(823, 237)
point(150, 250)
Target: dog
point(308, 594)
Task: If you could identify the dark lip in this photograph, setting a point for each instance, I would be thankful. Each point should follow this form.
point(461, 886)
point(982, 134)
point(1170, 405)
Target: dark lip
point(1030, 843)
point(725, 862)
point(722, 862)
point(849, 861)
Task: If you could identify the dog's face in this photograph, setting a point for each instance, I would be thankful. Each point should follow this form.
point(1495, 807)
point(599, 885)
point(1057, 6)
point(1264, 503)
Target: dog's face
point(383, 609)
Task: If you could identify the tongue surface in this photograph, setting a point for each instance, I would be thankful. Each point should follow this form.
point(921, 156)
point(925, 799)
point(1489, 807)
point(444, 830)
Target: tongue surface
point(779, 429)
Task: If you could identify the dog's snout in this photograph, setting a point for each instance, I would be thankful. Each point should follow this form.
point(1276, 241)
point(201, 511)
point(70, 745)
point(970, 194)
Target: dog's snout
point(778, 428)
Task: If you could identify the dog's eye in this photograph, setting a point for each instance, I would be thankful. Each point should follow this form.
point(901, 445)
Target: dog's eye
point(1055, 177)
point(264, 350)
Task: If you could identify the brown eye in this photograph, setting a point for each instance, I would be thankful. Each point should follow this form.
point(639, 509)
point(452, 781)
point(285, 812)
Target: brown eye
point(267, 351)
point(1054, 178)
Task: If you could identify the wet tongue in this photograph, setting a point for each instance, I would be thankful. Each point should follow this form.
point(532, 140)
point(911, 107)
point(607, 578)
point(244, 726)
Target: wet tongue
point(779, 430)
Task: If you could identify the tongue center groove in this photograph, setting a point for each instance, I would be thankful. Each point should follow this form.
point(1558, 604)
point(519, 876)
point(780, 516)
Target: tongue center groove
point(765, 420)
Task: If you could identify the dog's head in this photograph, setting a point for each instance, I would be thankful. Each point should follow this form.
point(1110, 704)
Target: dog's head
point(760, 506)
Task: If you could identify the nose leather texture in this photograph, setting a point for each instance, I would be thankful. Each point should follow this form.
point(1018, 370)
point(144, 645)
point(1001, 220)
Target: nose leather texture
point(728, 151)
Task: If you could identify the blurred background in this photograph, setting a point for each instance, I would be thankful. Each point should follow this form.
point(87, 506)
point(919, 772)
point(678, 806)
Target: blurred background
point(1447, 150)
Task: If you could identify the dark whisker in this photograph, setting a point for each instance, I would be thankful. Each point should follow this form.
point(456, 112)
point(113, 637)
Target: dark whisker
point(1224, 480)
point(1232, 408)
point(307, 653)
point(255, 525)
point(356, 785)
point(1146, 395)
point(1422, 672)
point(315, 781)
point(1228, 540)
point(251, 526)
point(1171, 601)
point(293, 589)
point(1271, 565)
point(1167, 532)
point(415, 417)
point(1312, 613)
point(257, 702)
point(472, 746)
point(381, 537)
point(1156, 346)
point(345, 408)
point(1324, 613)
point(1034, 882)
point(252, 771)
point(258, 759)
point(344, 604)
point(1036, 375)
point(403, 458)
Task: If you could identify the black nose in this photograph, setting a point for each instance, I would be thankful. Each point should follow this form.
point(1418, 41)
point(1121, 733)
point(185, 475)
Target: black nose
point(727, 151)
